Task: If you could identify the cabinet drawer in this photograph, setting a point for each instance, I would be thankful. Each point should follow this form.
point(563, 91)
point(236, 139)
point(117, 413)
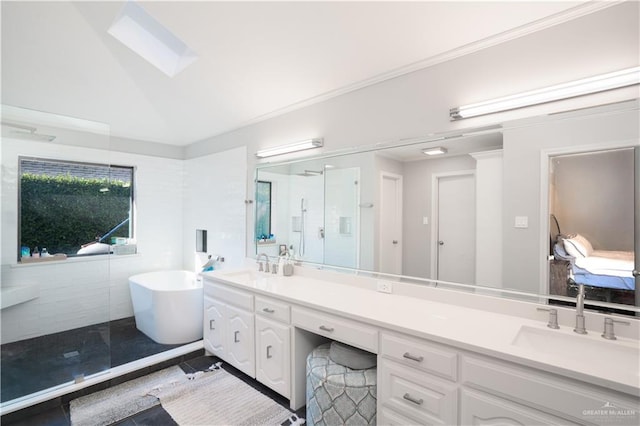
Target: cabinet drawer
point(388, 417)
point(477, 408)
point(273, 309)
point(239, 298)
point(337, 328)
point(429, 357)
point(414, 394)
point(570, 399)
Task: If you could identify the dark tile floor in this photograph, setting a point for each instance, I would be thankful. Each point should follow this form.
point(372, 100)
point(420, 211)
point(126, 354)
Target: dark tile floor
point(31, 365)
point(156, 416)
point(35, 364)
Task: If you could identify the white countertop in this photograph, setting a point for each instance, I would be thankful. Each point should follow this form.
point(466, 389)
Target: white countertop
point(466, 328)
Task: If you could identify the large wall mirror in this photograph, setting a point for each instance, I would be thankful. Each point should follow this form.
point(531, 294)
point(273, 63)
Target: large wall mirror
point(528, 207)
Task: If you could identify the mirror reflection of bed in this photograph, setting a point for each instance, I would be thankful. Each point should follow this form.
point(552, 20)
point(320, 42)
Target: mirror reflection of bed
point(591, 225)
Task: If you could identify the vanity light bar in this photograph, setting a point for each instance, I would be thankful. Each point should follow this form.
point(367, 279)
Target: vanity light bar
point(586, 86)
point(285, 149)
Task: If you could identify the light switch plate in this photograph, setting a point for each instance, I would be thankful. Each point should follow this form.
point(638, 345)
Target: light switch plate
point(521, 222)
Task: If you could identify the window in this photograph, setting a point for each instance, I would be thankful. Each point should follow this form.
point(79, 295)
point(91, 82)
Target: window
point(263, 210)
point(73, 208)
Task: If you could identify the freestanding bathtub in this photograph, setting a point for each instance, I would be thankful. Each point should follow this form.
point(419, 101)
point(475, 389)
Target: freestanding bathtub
point(168, 305)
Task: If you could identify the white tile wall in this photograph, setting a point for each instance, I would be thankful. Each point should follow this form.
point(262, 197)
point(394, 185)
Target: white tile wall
point(214, 199)
point(76, 293)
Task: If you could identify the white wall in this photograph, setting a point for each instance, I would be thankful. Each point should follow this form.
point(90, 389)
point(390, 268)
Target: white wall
point(595, 197)
point(524, 185)
point(214, 195)
point(489, 218)
point(418, 103)
point(80, 292)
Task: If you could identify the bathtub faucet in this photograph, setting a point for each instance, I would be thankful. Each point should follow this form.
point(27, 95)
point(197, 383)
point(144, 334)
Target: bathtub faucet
point(262, 267)
point(211, 262)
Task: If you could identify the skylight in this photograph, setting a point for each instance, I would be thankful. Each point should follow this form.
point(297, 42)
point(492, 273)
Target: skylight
point(140, 32)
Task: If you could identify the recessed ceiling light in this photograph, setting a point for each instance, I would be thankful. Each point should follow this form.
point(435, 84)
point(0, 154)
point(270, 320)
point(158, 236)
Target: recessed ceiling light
point(140, 32)
point(439, 150)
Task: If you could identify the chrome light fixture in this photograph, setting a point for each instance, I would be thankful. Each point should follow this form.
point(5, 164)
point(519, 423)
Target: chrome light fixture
point(586, 86)
point(293, 147)
point(439, 150)
point(140, 32)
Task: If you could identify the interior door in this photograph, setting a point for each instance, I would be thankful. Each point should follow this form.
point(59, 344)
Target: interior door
point(456, 228)
point(390, 244)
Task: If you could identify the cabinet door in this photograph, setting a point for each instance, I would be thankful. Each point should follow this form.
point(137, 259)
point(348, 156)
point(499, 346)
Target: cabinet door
point(240, 340)
point(272, 355)
point(214, 327)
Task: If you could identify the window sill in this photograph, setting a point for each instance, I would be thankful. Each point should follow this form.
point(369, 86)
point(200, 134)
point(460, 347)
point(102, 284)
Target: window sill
point(79, 259)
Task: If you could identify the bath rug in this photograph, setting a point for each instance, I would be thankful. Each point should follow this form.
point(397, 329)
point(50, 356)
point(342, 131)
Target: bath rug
point(119, 402)
point(220, 398)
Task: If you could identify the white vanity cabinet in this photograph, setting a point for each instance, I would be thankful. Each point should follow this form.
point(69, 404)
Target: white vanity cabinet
point(424, 382)
point(273, 345)
point(267, 331)
point(495, 389)
point(416, 381)
point(229, 331)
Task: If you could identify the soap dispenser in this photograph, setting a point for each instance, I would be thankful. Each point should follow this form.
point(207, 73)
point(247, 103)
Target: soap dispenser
point(287, 268)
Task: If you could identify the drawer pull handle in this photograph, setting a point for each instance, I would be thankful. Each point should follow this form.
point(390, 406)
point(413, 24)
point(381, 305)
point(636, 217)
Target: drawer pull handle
point(211, 327)
point(235, 337)
point(412, 399)
point(268, 310)
point(269, 354)
point(413, 357)
point(324, 328)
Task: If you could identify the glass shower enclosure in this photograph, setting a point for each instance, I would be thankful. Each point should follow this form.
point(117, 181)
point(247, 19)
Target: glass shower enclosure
point(57, 199)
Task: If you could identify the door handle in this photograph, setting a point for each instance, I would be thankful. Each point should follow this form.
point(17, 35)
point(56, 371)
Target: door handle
point(325, 328)
point(441, 242)
point(268, 310)
point(268, 352)
point(395, 241)
point(211, 327)
point(235, 337)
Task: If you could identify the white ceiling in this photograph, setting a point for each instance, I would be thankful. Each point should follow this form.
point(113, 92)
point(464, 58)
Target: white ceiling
point(256, 59)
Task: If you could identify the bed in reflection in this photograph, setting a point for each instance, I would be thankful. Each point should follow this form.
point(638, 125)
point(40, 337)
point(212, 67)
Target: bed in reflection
point(607, 275)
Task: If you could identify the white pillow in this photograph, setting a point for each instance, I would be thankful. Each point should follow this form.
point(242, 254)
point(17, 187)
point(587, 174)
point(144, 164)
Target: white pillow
point(585, 243)
point(578, 246)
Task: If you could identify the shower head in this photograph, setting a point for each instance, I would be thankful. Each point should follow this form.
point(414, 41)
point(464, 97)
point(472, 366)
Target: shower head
point(308, 173)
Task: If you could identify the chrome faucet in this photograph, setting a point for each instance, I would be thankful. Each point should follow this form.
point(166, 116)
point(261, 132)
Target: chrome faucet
point(553, 317)
point(580, 328)
point(608, 328)
point(262, 267)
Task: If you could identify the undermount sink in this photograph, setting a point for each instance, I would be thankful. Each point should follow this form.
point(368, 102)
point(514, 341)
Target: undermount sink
point(620, 354)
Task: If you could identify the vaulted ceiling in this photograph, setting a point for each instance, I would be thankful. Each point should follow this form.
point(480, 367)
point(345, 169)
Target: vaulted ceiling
point(255, 59)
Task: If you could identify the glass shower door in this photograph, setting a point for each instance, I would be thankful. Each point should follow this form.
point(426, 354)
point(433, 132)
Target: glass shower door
point(55, 301)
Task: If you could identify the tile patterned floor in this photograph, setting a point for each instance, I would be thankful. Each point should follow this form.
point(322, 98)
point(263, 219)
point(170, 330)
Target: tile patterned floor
point(156, 416)
point(36, 364)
